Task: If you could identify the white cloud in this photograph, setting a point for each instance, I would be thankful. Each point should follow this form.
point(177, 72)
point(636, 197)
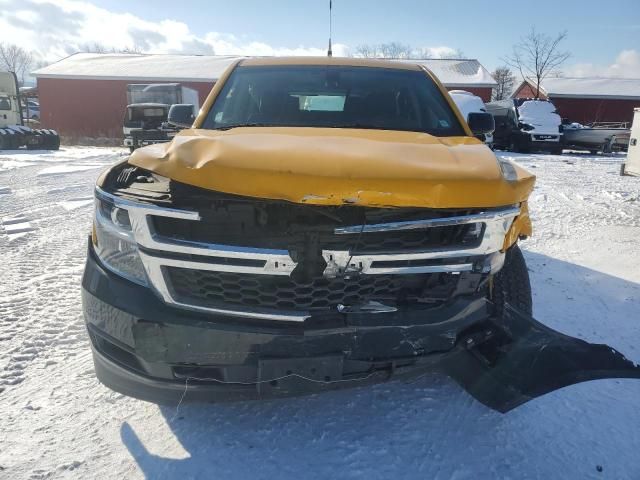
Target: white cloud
point(626, 64)
point(440, 52)
point(54, 29)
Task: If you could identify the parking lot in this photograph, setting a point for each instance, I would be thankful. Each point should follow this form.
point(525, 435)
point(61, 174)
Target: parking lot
point(57, 421)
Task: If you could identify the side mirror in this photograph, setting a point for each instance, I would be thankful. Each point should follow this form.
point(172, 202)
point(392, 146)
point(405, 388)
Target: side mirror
point(481, 123)
point(181, 115)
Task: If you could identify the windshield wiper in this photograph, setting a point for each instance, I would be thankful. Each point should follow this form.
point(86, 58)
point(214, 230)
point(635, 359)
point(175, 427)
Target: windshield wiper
point(238, 125)
point(363, 126)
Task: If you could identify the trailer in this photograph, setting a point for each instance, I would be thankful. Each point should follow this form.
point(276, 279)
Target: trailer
point(632, 164)
point(13, 132)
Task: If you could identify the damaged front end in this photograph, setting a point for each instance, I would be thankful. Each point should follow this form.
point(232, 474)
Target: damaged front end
point(201, 295)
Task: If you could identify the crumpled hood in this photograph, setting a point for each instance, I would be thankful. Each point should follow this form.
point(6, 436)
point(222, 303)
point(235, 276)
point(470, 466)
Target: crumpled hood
point(329, 166)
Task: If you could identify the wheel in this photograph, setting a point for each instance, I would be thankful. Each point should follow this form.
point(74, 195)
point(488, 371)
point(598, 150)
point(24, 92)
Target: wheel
point(132, 149)
point(4, 142)
point(623, 170)
point(52, 142)
point(593, 152)
point(556, 151)
point(511, 285)
point(36, 146)
point(513, 146)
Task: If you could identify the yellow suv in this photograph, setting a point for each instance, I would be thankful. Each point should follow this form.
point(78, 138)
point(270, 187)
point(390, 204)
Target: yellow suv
point(323, 222)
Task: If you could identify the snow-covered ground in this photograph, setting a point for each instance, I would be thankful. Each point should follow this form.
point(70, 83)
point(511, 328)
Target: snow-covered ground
point(56, 421)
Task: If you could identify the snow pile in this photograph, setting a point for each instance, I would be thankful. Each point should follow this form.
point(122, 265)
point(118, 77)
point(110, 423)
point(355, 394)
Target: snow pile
point(541, 115)
point(58, 422)
point(573, 126)
point(467, 102)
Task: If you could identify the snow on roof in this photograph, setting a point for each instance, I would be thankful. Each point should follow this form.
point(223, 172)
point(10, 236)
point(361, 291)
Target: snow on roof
point(458, 73)
point(592, 87)
point(199, 68)
point(148, 68)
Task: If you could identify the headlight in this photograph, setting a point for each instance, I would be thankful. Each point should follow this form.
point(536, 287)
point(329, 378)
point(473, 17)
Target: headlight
point(508, 170)
point(114, 243)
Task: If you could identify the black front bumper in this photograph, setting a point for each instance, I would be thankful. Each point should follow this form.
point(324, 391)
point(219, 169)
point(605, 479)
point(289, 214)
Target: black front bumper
point(149, 350)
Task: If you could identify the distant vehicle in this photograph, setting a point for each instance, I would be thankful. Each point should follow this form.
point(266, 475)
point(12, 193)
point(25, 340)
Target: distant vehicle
point(632, 164)
point(31, 110)
point(145, 124)
point(13, 133)
point(524, 125)
point(468, 103)
point(146, 114)
point(604, 137)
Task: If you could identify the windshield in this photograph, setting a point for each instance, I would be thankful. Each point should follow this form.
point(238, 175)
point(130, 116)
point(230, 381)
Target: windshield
point(143, 113)
point(333, 96)
point(5, 103)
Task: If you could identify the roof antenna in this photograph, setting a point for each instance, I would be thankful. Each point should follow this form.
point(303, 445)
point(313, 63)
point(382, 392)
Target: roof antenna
point(330, 52)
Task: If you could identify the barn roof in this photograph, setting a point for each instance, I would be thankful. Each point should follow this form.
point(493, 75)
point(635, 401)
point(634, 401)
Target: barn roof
point(206, 68)
point(125, 66)
point(591, 87)
point(458, 72)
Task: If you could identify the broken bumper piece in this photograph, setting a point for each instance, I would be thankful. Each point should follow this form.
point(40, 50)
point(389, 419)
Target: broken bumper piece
point(506, 363)
point(147, 349)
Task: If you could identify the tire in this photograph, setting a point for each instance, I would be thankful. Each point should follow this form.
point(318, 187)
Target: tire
point(556, 151)
point(511, 285)
point(513, 146)
point(53, 142)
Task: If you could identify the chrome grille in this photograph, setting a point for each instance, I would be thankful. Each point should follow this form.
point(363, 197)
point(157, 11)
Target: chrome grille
point(161, 254)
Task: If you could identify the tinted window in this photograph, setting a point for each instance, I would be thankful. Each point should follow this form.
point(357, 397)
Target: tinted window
point(333, 96)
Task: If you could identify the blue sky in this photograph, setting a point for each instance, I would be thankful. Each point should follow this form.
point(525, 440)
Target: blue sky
point(482, 32)
point(599, 41)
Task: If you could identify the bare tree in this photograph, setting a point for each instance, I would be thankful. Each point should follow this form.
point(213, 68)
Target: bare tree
point(384, 50)
point(396, 50)
point(399, 50)
point(506, 80)
point(94, 47)
point(366, 51)
point(16, 59)
point(97, 47)
point(537, 55)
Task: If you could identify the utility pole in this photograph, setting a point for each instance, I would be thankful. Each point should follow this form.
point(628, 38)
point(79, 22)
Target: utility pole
point(330, 52)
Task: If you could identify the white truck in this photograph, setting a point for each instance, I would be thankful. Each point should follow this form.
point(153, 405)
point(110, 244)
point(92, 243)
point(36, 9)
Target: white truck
point(13, 133)
point(146, 114)
point(468, 103)
point(632, 164)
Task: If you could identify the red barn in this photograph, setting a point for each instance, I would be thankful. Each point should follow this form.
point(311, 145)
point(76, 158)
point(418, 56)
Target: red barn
point(588, 99)
point(85, 95)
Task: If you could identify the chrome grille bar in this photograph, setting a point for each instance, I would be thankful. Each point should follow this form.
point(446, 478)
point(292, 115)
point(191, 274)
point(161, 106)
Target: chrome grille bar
point(260, 261)
point(482, 217)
